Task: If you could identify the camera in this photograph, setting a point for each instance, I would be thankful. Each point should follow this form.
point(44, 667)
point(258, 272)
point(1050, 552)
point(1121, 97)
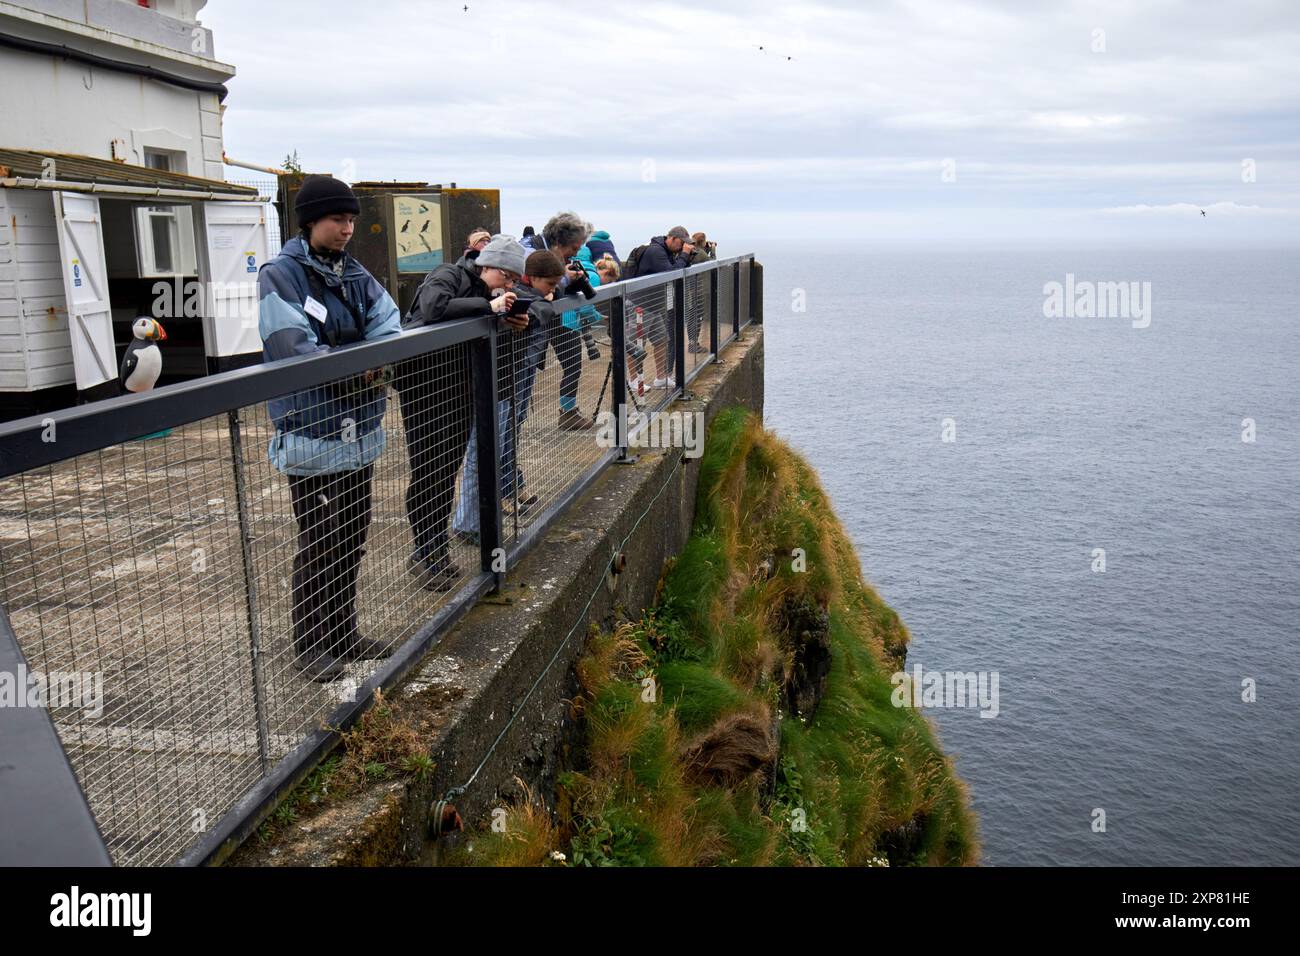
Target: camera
point(580, 282)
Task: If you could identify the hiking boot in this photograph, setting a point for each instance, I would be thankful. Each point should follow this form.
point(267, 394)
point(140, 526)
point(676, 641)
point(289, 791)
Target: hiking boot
point(364, 649)
point(573, 421)
point(320, 666)
point(440, 575)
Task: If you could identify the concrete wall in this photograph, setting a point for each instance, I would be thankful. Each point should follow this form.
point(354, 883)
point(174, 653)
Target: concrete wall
point(69, 107)
point(467, 687)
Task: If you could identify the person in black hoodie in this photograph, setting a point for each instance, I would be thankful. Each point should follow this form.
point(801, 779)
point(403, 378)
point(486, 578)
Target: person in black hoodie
point(664, 254)
point(437, 397)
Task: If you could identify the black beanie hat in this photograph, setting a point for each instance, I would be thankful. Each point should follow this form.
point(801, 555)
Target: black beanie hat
point(321, 196)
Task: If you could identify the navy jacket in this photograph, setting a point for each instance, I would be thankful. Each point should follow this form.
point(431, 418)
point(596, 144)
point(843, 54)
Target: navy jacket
point(657, 258)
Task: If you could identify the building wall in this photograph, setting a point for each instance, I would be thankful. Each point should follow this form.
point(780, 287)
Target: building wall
point(70, 107)
point(35, 351)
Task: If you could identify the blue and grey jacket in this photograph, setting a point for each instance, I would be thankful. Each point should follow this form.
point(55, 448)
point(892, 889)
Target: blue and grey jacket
point(336, 426)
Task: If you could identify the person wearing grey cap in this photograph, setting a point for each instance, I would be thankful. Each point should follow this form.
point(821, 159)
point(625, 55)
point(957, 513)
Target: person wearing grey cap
point(437, 397)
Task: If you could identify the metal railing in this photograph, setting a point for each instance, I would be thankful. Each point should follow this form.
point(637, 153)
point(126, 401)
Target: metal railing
point(150, 548)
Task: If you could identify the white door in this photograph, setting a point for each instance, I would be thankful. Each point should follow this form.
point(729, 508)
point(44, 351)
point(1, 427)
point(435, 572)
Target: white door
point(235, 242)
point(85, 287)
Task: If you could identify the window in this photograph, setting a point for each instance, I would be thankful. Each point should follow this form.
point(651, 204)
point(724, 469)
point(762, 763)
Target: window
point(165, 234)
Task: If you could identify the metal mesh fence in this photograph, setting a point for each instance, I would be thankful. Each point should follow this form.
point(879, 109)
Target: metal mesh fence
point(745, 313)
point(232, 582)
point(699, 349)
point(726, 302)
point(652, 346)
point(269, 187)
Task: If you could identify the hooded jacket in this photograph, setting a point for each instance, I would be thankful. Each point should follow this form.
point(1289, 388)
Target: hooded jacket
point(657, 258)
point(599, 244)
point(454, 290)
point(542, 317)
point(335, 426)
point(585, 315)
point(581, 315)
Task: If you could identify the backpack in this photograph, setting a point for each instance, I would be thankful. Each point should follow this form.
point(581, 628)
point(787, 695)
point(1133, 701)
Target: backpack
point(634, 261)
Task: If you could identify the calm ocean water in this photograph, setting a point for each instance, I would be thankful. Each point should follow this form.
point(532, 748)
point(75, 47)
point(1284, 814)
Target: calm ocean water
point(1119, 690)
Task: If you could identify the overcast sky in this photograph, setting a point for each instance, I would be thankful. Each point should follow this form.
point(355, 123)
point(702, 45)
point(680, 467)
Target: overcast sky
point(916, 121)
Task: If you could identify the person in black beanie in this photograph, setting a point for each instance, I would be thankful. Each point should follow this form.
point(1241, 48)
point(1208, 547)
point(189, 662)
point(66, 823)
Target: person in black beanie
point(314, 297)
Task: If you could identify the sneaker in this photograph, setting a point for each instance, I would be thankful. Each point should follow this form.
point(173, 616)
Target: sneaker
point(664, 383)
point(466, 537)
point(364, 649)
point(573, 421)
point(695, 348)
point(320, 666)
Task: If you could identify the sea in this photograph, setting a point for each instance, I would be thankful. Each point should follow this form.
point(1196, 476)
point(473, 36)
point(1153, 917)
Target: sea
point(1102, 510)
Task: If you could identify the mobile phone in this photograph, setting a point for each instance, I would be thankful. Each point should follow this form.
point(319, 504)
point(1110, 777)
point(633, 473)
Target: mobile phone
point(520, 307)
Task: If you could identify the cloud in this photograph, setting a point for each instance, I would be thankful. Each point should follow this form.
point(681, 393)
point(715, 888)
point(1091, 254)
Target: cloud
point(1186, 209)
point(540, 102)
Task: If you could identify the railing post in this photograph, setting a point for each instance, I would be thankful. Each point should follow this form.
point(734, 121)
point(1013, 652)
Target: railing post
point(735, 297)
point(679, 324)
point(714, 340)
point(618, 346)
point(484, 376)
point(250, 589)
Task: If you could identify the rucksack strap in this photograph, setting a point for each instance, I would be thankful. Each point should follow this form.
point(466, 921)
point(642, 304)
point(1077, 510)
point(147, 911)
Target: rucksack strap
point(318, 290)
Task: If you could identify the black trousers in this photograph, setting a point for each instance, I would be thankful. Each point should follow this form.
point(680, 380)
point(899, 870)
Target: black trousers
point(437, 415)
point(568, 349)
point(333, 513)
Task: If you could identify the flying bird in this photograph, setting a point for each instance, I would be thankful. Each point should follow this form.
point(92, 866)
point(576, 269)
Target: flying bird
point(1202, 212)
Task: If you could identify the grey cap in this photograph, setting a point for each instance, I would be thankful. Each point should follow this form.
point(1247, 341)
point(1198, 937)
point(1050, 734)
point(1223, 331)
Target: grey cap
point(502, 252)
point(679, 232)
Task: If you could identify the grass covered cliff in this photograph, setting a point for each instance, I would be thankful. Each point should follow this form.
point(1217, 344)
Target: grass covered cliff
point(746, 719)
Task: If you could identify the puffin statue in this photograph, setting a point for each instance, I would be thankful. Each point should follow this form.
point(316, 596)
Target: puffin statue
point(142, 363)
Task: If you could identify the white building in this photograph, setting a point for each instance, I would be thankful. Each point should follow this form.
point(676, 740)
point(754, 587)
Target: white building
point(112, 181)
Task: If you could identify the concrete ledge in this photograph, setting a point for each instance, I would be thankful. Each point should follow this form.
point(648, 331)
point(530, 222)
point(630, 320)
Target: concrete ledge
point(468, 686)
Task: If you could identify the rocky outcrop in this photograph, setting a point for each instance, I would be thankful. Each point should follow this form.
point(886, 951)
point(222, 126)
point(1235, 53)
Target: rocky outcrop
point(806, 630)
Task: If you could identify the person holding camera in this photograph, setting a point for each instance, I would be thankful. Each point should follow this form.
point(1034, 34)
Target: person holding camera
point(564, 234)
point(704, 251)
point(518, 363)
point(314, 297)
point(662, 254)
point(437, 397)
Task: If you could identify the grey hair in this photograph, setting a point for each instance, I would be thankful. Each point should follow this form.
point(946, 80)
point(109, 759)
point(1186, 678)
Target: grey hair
point(565, 229)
